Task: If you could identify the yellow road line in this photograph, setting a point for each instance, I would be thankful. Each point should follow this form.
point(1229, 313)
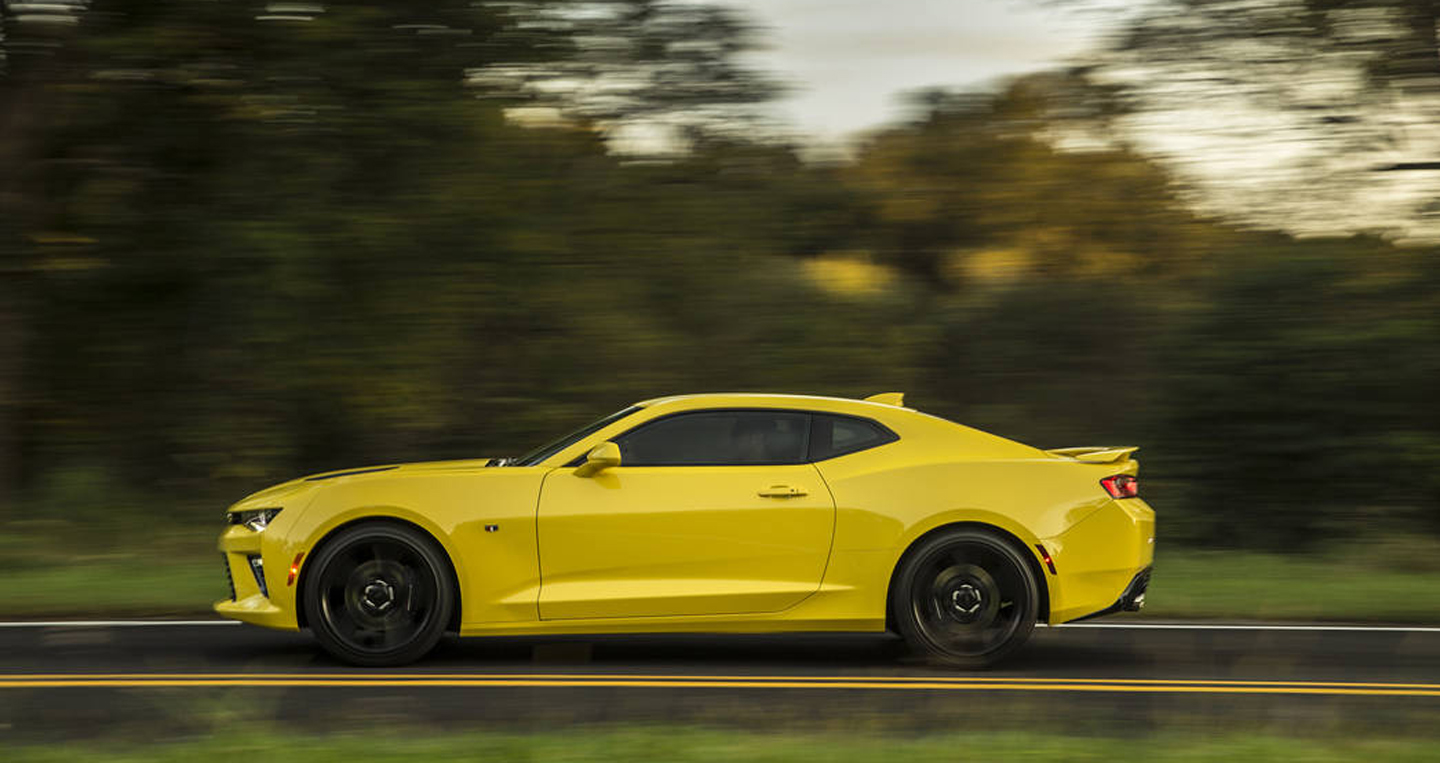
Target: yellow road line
point(727, 683)
point(580, 678)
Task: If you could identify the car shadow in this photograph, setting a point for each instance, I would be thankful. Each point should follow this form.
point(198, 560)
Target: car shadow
point(717, 653)
point(788, 654)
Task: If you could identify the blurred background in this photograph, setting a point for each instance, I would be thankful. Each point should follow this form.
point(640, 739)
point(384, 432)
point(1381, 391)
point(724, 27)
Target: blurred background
point(245, 241)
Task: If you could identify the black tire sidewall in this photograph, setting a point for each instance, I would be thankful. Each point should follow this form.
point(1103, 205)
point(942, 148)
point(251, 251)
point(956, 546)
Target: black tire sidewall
point(903, 613)
point(423, 641)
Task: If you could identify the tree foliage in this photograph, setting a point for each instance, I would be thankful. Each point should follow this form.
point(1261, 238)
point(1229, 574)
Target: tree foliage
point(240, 249)
point(1315, 116)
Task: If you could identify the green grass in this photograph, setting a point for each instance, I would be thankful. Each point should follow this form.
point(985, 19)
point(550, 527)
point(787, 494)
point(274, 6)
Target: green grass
point(76, 569)
point(119, 586)
point(678, 745)
point(1231, 585)
point(1250, 586)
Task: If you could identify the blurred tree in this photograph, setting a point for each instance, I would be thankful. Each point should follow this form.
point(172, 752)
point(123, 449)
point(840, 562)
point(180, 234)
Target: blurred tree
point(1298, 395)
point(975, 188)
point(30, 56)
point(278, 238)
point(1298, 114)
point(244, 242)
point(655, 75)
point(1077, 281)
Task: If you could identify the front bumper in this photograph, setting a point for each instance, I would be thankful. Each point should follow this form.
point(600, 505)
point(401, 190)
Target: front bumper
point(248, 602)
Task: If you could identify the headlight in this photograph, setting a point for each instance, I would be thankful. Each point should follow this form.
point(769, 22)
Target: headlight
point(254, 519)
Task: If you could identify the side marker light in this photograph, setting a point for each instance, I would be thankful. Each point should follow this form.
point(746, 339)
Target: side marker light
point(294, 569)
point(1049, 563)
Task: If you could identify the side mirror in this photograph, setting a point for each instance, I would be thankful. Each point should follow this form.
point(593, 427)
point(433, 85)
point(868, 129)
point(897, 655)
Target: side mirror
point(602, 456)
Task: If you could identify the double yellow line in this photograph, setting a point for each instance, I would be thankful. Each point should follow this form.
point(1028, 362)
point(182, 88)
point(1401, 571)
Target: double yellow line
point(625, 680)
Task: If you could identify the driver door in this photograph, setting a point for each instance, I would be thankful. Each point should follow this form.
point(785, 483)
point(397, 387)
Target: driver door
point(708, 513)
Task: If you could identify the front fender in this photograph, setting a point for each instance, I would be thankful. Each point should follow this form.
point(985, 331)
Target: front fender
point(483, 519)
point(317, 532)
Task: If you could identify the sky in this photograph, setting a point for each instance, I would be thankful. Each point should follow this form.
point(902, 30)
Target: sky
point(849, 60)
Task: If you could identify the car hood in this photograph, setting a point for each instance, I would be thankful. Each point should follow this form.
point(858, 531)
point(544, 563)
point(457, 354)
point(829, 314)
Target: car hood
point(300, 488)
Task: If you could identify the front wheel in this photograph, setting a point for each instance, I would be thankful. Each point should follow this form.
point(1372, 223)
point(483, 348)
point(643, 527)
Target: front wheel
point(379, 594)
point(964, 598)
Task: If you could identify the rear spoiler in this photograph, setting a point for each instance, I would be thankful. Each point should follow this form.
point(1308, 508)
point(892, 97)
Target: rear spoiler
point(1105, 454)
point(896, 399)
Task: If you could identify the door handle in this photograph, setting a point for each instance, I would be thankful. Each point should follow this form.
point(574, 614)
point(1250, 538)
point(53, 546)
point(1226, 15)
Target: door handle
point(782, 491)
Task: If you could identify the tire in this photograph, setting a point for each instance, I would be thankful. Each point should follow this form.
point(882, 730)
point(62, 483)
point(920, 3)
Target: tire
point(378, 594)
point(965, 599)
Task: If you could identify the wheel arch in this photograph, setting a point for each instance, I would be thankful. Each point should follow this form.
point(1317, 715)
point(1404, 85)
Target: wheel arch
point(315, 548)
point(1042, 612)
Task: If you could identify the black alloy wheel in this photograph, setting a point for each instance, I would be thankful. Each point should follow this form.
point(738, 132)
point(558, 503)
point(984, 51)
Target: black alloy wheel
point(379, 594)
point(964, 598)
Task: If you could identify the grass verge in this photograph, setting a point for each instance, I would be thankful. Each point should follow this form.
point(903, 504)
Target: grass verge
point(677, 745)
point(114, 587)
point(1216, 585)
point(1233, 585)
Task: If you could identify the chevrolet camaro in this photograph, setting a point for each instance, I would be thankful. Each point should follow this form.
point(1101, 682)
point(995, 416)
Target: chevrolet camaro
point(704, 513)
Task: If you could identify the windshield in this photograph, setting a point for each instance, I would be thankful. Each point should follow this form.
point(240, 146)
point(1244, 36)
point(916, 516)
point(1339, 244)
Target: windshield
point(551, 448)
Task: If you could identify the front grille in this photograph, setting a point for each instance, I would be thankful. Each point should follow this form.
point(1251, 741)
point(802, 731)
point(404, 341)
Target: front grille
point(229, 581)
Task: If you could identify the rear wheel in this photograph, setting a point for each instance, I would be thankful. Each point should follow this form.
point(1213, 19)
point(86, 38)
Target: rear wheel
point(379, 594)
point(964, 598)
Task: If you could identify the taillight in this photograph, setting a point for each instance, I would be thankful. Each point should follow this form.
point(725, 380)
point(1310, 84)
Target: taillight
point(1121, 486)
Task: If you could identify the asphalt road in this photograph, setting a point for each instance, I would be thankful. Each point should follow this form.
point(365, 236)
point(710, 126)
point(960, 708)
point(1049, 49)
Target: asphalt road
point(66, 679)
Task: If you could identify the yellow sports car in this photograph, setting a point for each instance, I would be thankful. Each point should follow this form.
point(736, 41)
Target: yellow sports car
point(713, 513)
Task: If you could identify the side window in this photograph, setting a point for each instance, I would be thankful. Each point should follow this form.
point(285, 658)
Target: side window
point(718, 438)
point(834, 435)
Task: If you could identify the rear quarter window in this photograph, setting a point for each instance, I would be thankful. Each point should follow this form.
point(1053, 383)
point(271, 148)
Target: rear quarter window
point(834, 435)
